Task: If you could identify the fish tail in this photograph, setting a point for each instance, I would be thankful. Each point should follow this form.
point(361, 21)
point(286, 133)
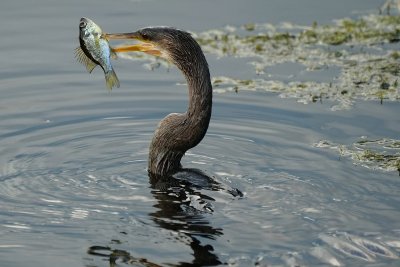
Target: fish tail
point(111, 79)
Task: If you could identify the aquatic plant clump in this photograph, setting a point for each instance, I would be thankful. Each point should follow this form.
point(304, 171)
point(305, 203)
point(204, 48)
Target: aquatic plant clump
point(359, 48)
point(381, 154)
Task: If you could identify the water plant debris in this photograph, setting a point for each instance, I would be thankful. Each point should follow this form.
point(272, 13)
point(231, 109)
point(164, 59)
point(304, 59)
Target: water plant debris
point(378, 154)
point(363, 49)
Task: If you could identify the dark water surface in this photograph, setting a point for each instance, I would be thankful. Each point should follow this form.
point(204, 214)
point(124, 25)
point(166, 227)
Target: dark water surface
point(74, 189)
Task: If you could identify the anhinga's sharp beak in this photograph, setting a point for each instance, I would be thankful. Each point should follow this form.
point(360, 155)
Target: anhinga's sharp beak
point(118, 36)
point(143, 46)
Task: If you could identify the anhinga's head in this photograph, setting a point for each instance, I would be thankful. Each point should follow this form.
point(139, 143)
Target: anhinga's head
point(176, 46)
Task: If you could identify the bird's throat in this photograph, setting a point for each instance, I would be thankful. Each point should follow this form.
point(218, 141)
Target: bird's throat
point(178, 133)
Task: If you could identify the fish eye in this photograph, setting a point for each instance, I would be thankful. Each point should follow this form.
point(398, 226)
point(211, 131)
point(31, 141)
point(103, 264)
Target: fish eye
point(82, 24)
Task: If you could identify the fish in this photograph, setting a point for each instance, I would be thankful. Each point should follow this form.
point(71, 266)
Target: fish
point(95, 50)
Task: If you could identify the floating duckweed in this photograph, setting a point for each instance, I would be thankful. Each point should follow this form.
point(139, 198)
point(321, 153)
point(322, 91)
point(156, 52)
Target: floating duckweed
point(368, 70)
point(259, 48)
point(256, 39)
point(395, 55)
point(395, 145)
point(392, 68)
point(336, 38)
point(246, 82)
point(286, 37)
point(389, 20)
point(356, 48)
point(352, 25)
point(309, 36)
point(381, 154)
point(216, 82)
point(249, 27)
point(372, 156)
point(314, 24)
point(315, 98)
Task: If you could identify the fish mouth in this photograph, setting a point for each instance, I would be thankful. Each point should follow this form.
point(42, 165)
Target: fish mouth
point(84, 21)
point(145, 46)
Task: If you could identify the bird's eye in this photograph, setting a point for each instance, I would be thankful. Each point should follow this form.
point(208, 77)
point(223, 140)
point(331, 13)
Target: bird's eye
point(82, 24)
point(145, 36)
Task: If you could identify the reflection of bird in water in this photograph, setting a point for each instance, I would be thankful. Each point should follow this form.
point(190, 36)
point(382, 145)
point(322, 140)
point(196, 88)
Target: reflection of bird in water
point(176, 133)
point(175, 212)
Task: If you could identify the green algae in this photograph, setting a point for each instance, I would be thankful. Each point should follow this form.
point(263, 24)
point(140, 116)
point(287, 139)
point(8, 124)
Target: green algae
point(378, 154)
point(249, 27)
point(358, 47)
point(367, 30)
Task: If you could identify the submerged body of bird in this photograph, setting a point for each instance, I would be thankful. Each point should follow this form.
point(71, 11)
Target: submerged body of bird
point(94, 50)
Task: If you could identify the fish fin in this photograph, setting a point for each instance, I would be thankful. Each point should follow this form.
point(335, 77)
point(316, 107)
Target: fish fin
point(111, 79)
point(85, 60)
point(113, 54)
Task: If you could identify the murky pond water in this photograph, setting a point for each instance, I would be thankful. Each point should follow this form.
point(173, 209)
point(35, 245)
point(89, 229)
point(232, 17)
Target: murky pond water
point(74, 189)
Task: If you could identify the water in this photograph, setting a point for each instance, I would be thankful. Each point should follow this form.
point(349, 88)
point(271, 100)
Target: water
point(74, 189)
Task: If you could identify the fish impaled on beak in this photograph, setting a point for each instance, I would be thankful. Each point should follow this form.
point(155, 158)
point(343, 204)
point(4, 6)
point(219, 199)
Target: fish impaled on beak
point(94, 50)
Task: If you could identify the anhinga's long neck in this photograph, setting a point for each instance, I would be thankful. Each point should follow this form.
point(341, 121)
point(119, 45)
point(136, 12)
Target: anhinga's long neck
point(177, 133)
